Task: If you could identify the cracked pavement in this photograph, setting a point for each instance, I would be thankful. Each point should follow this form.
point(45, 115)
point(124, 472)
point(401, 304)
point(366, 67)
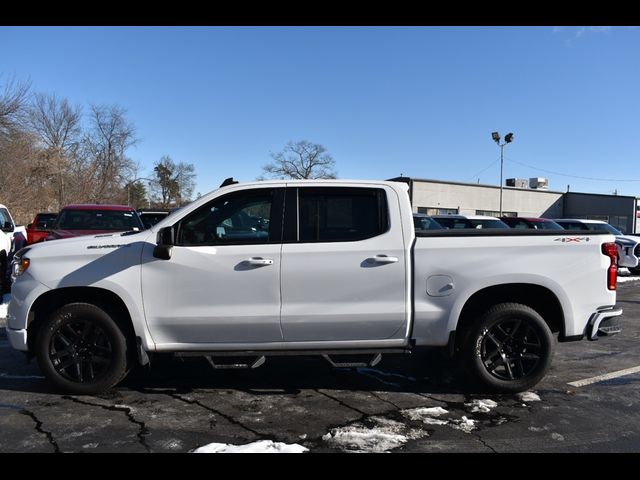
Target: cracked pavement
point(417, 403)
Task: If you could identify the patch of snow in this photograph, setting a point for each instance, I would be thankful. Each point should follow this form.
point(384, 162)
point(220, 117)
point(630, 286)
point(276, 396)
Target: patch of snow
point(384, 436)
point(557, 436)
point(261, 446)
point(528, 397)
point(628, 279)
point(424, 414)
point(482, 406)
point(465, 424)
point(4, 305)
point(90, 445)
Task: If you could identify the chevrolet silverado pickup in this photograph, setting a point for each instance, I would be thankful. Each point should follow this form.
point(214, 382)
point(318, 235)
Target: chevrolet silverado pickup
point(327, 267)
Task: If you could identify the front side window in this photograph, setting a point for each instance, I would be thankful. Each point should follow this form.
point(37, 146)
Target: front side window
point(237, 218)
point(341, 214)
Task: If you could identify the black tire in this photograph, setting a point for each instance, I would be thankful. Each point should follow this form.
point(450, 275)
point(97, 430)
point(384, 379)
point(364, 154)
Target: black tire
point(508, 349)
point(81, 350)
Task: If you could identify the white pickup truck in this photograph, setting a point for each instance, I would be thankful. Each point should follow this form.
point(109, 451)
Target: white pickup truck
point(333, 268)
point(12, 238)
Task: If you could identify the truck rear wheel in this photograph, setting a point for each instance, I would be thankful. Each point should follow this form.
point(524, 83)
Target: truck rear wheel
point(509, 349)
point(81, 350)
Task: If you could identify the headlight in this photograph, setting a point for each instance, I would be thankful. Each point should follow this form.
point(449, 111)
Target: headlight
point(20, 265)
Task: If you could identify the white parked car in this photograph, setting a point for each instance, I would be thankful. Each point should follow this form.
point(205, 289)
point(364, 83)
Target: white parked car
point(628, 245)
point(12, 238)
point(328, 267)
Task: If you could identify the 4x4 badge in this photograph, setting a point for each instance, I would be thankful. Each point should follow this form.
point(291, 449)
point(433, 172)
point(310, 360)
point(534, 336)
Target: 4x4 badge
point(572, 239)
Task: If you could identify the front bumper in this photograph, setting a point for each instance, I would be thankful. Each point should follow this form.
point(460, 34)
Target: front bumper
point(603, 323)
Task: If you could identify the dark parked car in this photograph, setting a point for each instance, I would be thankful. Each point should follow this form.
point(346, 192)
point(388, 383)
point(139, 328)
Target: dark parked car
point(151, 216)
point(422, 221)
point(38, 230)
point(533, 223)
point(89, 219)
point(469, 221)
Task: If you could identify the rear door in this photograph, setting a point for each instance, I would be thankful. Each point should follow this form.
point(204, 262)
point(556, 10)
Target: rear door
point(343, 265)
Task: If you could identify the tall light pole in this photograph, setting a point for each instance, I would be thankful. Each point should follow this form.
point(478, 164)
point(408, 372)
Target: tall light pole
point(508, 138)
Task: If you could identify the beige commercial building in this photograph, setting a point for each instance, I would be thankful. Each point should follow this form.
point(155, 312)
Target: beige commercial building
point(437, 197)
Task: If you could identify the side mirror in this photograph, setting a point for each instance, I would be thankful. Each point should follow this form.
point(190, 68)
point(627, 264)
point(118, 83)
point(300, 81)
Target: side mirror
point(165, 241)
point(8, 227)
point(29, 226)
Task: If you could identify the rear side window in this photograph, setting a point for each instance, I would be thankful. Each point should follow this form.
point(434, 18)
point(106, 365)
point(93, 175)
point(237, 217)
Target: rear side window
point(341, 214)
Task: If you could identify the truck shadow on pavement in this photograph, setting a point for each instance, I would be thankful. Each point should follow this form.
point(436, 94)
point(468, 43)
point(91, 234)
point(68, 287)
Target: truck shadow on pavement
point(425, 371)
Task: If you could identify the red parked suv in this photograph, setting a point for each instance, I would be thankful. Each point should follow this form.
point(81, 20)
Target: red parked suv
point(77, 220)
point(38, 230)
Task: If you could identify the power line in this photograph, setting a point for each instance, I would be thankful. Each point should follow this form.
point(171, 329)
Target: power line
point(485, 169)
point(574, 176)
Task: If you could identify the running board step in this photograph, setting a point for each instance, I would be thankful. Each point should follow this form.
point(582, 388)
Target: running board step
point(258, 362)
point(375, 359)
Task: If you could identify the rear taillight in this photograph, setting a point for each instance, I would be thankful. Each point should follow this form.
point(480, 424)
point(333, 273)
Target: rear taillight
point(611, 251)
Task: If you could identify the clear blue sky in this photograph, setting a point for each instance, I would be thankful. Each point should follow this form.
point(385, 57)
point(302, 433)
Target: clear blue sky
point(421, 101)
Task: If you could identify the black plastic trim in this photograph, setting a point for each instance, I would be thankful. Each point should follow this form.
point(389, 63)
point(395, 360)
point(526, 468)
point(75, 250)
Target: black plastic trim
point(505, 232)
point(572, 338)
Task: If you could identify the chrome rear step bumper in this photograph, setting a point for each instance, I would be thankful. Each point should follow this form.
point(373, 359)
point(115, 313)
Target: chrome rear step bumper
point(603, 323)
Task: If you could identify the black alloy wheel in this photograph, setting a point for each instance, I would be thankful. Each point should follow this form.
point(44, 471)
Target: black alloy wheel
point(80, 351)
point(509, 348)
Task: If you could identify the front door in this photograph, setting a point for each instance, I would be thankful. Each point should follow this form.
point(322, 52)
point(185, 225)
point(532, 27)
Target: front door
point(222, 282)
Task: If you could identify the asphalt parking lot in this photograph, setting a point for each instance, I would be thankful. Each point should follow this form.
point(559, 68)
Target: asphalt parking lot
point(417, 403)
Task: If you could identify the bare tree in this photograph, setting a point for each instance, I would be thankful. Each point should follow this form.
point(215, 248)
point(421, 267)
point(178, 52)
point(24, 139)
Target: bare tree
point(104, 152)
point(56, 122)
point(301, 160)
point(57, 126)
point(13, 100)
point(174, 182)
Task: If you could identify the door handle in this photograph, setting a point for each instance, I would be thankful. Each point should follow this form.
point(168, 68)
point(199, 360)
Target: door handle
point(259, 261)
point(385, 259)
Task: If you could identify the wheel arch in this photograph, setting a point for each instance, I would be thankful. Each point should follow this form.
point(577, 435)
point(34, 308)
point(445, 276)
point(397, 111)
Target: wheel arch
point(539, 298)
point(50, 301)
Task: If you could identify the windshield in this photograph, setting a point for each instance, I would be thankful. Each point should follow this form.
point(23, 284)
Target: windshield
point(45, 220)
point(488, 223)
point(547, 226)
point(426, 223)
point(599, 227)
point(97, 220)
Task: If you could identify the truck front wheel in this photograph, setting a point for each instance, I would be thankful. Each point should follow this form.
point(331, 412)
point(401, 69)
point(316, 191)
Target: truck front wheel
point(81, 350)
point(509, 348)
